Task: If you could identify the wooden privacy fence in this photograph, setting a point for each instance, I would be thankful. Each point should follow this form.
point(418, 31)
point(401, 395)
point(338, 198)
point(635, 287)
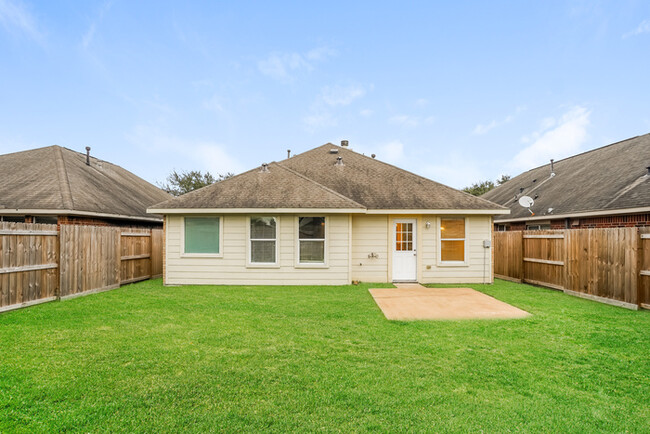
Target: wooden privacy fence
point(39, 263)
point(610, 265)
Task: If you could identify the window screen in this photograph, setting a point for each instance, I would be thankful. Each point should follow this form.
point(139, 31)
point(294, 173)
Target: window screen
point(311, 239)
point(202, 235)
point(262, 240)
point(452, 239)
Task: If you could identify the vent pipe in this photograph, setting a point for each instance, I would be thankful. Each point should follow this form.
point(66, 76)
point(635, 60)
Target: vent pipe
point(339, 161)
point(552, 170)
point(373, 155)
point(288, 153)
point(648, 170)
point(344, 143)
point(87, 155)
point(265, 167)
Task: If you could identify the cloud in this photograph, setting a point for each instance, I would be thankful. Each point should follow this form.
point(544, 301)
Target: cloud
point(341, 95)
point(481, 129)
point(205, 154)
point(558, 138)
point(644, 27)
point(89, 36)
point(457, 170)
point(283, 66)
point(366, 113)
point(214, 104)
point(14, 17)
point(322, 110)
point(318, 120)
point(411, 121)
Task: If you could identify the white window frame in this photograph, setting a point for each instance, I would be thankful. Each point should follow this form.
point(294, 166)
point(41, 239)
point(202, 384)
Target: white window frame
point(323, 264)
point(202, 255)
point(249, 244)
point(464, 262)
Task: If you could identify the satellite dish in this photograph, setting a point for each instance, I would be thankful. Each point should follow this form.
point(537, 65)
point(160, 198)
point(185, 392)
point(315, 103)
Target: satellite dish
point(526, 201)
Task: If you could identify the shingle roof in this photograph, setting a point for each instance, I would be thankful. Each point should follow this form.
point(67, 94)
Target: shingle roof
point(613, 177)
point(278, 187)
point(314, 180)
point(56, 178)
point(378, 185)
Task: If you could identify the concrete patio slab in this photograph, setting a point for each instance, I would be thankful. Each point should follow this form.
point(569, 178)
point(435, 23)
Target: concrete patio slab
point(415, 302)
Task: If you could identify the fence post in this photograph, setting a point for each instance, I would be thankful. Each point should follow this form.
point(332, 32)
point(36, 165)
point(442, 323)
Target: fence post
point(639, 267)
point(523, 263)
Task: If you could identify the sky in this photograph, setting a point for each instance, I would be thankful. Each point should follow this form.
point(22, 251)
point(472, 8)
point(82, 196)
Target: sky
point(458, 92)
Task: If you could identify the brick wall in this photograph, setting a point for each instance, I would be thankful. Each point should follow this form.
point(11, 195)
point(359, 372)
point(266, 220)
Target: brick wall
point(616, 221)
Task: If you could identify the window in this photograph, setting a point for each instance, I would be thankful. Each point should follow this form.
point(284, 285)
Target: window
point(202, 235)
point(538, 227)
point(311, 240)
point(47, 219)
point(452, 240)
point(262, 240)
point(13, 218)
point(502, 228)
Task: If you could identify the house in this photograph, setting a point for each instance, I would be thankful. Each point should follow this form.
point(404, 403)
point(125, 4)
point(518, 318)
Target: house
point(327, 216)
point(603, 188)
point(60, 186)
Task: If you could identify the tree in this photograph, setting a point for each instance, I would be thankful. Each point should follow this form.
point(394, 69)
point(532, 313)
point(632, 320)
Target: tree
point(480, 188)
point(184, 182)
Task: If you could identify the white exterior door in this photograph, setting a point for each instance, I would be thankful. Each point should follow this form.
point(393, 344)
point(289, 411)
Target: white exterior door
point(405, 268)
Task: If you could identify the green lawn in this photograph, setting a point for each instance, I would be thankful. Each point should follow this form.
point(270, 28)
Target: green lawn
point(150, 358)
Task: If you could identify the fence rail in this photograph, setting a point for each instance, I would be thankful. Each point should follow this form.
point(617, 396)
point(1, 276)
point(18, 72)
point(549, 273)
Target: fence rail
point(40, 263)
point(609, 265)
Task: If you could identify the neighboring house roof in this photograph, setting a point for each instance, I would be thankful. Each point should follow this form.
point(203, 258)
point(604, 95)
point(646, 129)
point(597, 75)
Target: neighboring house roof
point(313, 180)
point(609, 180)
point(56, 180)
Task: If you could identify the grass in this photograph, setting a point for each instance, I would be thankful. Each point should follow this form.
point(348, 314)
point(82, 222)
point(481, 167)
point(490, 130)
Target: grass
point(148, 358)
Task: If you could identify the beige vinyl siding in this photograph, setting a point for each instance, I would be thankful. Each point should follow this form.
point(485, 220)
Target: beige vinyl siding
point(232, 268)
point(478, 229)
point(370, 235)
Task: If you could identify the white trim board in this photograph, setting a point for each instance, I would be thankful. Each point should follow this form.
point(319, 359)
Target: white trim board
point(613, 212)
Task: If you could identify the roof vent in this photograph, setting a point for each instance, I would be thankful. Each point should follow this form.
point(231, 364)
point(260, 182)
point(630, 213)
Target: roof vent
point(552, 171)
point(344, 143)
point(373, 155)
point(265, 167)
point(87, 155)
point(288, 153)
point(334, 151)
point(648, 174)
point(339, 161)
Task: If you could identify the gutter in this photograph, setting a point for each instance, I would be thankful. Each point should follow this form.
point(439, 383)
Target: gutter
point(68, 212)
point(577, 215)
point(326, 210)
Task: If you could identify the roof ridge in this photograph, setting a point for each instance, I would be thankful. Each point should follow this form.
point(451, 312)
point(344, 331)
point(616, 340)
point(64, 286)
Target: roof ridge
point(64, 182)
point(416, 175)
point(318, 184)
point(587, 152)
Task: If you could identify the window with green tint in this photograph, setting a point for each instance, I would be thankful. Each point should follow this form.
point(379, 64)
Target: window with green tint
point(202, 235)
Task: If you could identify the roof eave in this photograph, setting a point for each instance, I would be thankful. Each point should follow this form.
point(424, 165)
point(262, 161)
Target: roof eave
point(37, 211)
point(599, 213)
point(326, 210)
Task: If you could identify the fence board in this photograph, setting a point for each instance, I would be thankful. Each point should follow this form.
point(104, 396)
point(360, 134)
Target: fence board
point(28, 262)
point(601, 263)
